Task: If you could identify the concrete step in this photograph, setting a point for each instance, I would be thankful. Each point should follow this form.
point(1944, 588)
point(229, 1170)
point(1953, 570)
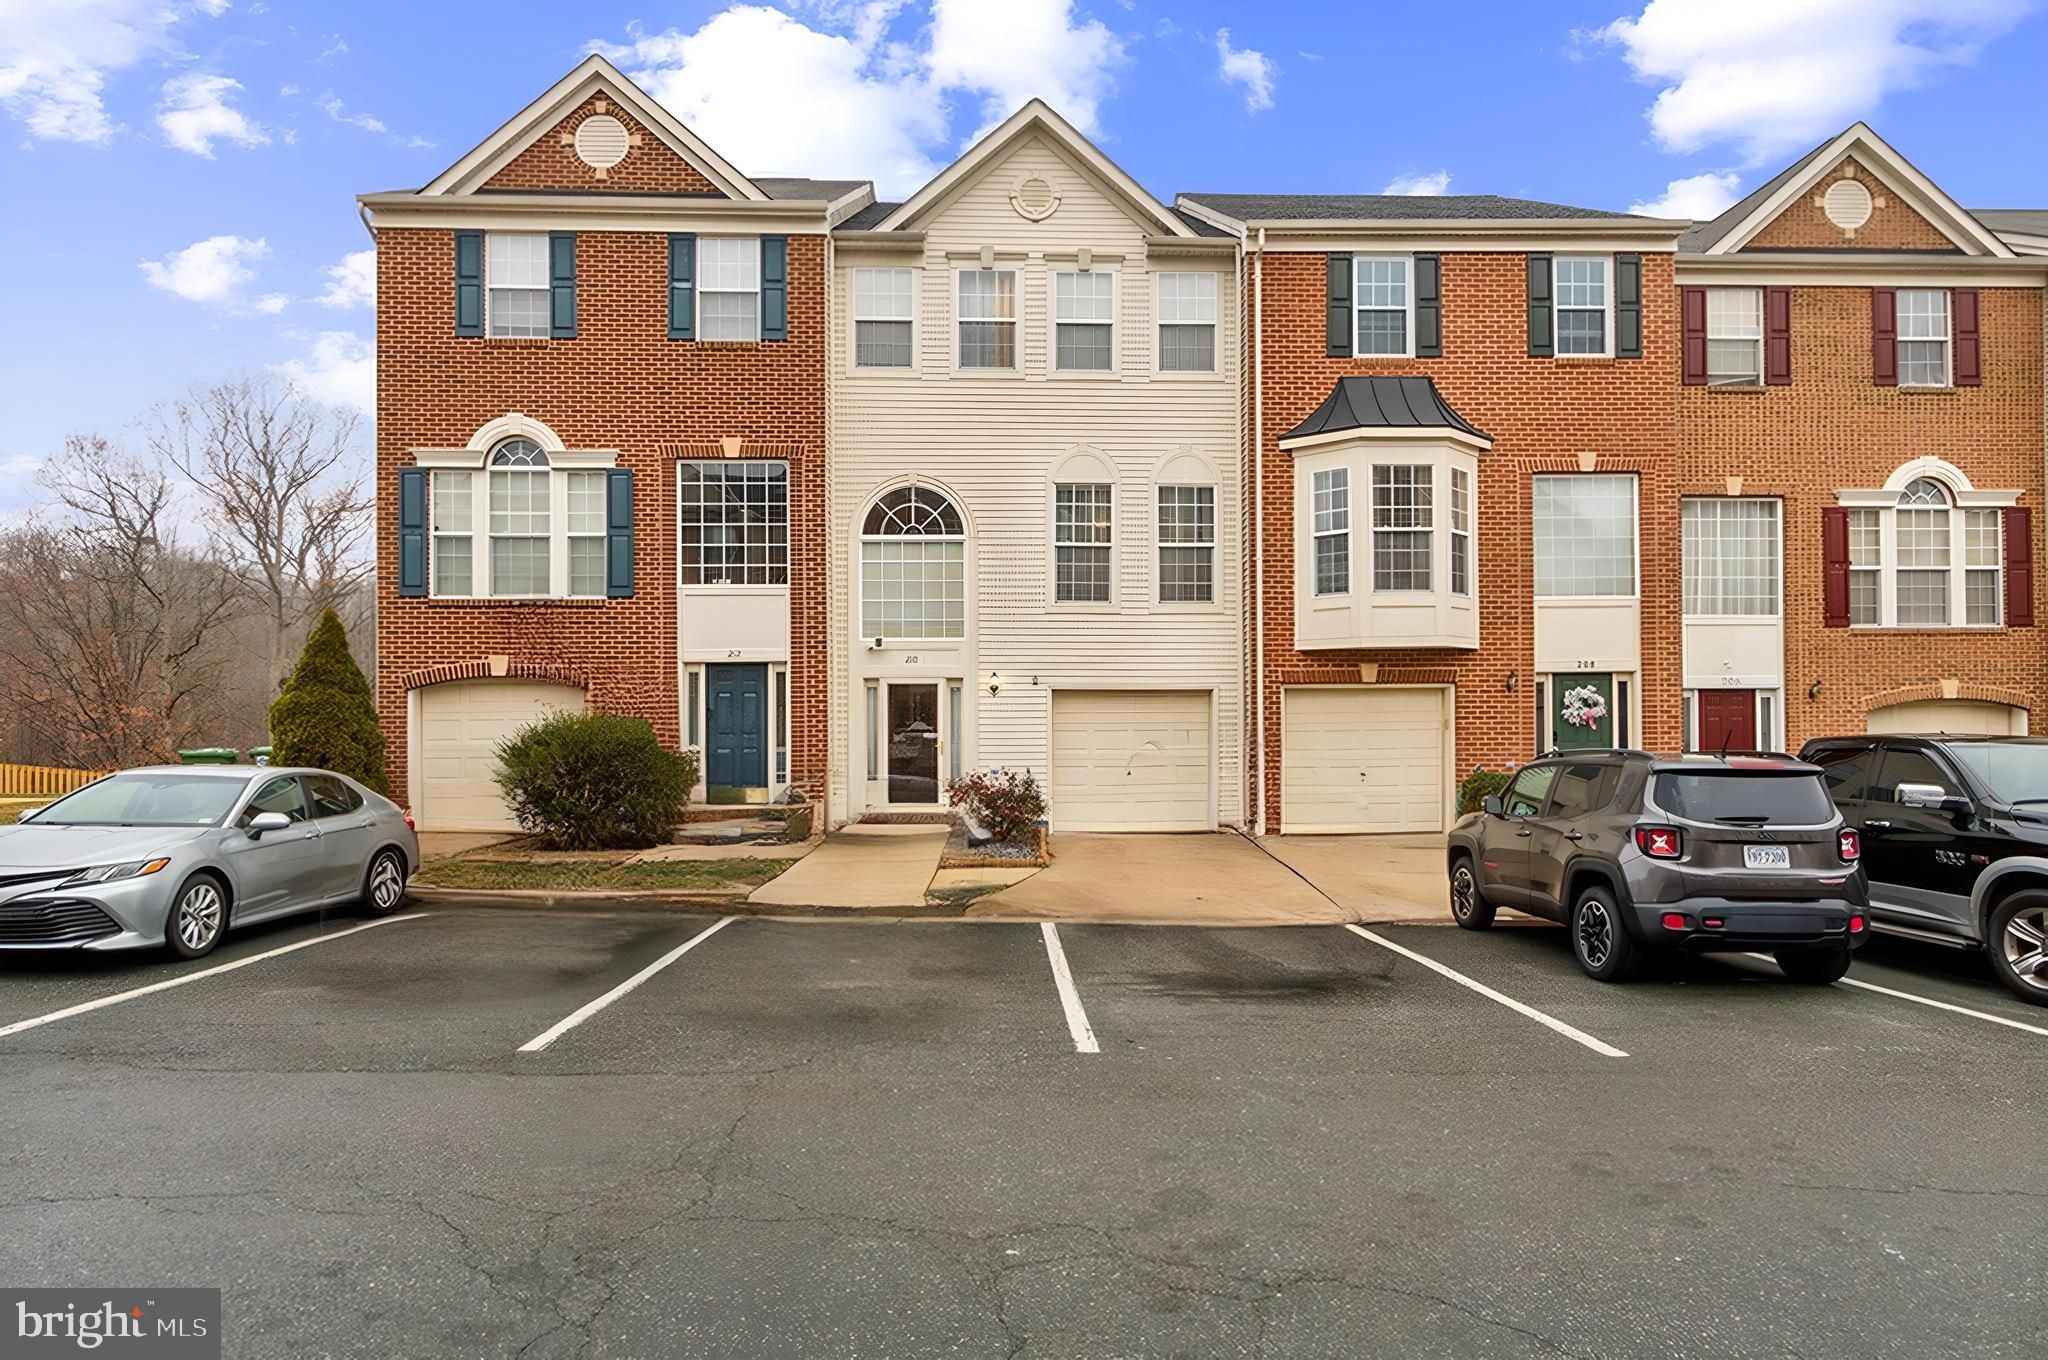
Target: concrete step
point(754, 830)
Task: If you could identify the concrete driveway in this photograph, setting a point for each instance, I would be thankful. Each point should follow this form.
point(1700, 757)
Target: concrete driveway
point(1216, 878)
point(860, 866)
point(1374, 878)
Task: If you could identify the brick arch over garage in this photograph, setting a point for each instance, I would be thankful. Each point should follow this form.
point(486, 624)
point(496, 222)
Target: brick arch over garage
point(1936, 689)
point(481, 670)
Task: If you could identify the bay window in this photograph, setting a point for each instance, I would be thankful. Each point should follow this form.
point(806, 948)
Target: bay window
point(1402, 526)
point(1461, 532)
point(1332, 493)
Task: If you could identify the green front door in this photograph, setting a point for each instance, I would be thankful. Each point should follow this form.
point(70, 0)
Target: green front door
point(1582, 710)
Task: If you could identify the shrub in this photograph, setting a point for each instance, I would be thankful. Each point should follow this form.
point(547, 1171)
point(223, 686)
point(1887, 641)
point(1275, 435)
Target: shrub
point(1006, 803)
point(594, 782)
point(1479, 786)
point(324, 716)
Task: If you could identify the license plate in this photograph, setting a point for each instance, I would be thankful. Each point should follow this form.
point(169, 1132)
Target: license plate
point(1766, 857)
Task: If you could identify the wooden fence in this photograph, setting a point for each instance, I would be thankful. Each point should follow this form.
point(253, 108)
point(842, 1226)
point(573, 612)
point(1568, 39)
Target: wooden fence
point(42, 781)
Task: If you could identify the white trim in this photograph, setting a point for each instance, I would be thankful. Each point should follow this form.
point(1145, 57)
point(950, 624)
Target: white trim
point(1407, 350)
point(514, 425)
point(1053, 370)
point(1963, 498)
point(1608, 289)
point(1215, 324)
point(854, 318)
point(1421, 436)
point(1003, 265)
point(1857, 271)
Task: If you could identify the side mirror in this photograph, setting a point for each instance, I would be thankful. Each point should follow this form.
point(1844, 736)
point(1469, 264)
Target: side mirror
point(1922, 795)
point(27, 814)
point(1491, 804)
point(267, 821)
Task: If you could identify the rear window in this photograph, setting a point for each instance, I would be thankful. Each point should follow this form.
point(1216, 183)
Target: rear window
point(1745, 799)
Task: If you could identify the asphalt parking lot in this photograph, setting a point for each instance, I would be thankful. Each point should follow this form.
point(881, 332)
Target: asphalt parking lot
point(491, 1132)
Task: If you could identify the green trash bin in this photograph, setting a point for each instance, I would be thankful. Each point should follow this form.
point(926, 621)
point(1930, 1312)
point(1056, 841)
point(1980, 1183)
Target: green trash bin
point(259, 755)
point(211, 755)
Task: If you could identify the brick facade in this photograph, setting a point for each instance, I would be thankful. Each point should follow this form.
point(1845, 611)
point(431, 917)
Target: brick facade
point(1893, 225)
point(650, 167)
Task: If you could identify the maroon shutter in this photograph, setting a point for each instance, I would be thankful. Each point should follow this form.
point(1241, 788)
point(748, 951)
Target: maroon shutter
point(1692, 309)
point(1777, 336)
point(1834, 543)
point(2019, 567)
point(1884, 337)
point(1963, 311)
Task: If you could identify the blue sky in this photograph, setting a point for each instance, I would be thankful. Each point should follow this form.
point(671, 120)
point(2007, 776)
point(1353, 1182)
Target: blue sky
point(183, 171)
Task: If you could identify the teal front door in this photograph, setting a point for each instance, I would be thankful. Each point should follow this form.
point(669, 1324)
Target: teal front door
point(1582, 712)
point(738, 755)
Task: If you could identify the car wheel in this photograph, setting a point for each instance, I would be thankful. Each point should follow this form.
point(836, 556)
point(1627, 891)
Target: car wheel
point(2015, 940)
point(384, 884)
point(1818, 966)
point(1600, 942)
point(198, 917)
point(1468, 908)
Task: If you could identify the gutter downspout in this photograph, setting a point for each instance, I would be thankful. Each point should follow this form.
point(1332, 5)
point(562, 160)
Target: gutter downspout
point(1259, 525)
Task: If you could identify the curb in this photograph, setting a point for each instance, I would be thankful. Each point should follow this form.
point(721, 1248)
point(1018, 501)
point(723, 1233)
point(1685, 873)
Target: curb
point(661, 899)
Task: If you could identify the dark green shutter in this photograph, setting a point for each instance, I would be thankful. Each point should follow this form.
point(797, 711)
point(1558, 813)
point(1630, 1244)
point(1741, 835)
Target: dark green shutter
point(618, 532)
point(562, 285)
point(412, 531)
point(1628, 306)
point(469, 283)
point(1542, 323)
point(1429, 306)
point(775, 288)
point(1337, 289)
point(682, 270)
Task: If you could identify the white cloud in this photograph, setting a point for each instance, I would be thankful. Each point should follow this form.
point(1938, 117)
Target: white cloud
point(1697, 197)
point(211, 271)
point(270, 304)
point(1012, 51)
point(1775, 76)
point(352, 281)
point(1420, 186)
point(213, 9)
point(1251, 69)
point(195, 112)
point(340, 369)
point(57, 55)
point(332, 108)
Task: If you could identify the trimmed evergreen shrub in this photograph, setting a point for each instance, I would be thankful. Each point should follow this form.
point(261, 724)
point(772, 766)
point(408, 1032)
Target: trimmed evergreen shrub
point(1006, 803)
point(1480, 785)
point(595, 782)
point(325, 716)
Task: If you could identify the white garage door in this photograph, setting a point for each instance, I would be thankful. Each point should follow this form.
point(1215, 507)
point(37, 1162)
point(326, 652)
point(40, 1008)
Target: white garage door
point(461, 725)
point(1362, 759)
point(1953, 717)
point(1130, 760)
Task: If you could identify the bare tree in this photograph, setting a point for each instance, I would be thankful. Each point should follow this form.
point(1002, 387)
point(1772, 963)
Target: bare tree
point(279, 475)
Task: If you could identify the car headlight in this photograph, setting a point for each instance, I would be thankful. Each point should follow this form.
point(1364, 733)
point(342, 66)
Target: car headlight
point(108, 873)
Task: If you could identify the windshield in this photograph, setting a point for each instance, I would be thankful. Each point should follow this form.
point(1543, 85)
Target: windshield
point(1745, 799)
point(2013, 771)
point(146, 798)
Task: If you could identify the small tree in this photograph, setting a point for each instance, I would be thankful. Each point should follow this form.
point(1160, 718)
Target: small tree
point(325, 717)
point(595, 782)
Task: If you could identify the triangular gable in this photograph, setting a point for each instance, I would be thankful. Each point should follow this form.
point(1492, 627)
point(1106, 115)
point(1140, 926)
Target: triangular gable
point(530, 151)
point(1036, 116)
point(1907, 210)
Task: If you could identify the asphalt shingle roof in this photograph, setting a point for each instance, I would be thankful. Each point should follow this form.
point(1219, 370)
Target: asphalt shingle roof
point(1392, 207)
point(869, 217)
point(2025, 221)
point(785, 186)
point(1370, 403)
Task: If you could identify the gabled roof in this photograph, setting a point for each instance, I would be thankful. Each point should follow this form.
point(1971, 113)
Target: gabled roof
point(1383, 403)
point(1035, 116)
point(592, 74)
point(1734, 228)
point(1252, 208)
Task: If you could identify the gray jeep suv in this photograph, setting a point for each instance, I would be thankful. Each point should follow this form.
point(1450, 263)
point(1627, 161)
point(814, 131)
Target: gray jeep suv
point(1635, 852)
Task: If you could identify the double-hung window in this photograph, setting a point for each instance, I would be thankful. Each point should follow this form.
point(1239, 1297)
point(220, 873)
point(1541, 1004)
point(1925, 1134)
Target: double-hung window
point(585, 492)
point(1926, 562)
point(1866, 567)
point(521, 519)
point(1187, 323)
point(988, 318)
point(1187, 545)
point(1735, 337)
point(520, 522)
point(1923, 337)
point(1381, 304)
point(1585, 532)
point(516, 280)
point(1582, 304)
point(1084, 321)
point(882, 302)
point(733, 522)
point(1331, 495)
point(454, 517)
point(1730, 550)
point(729, 288)
point(1403, 526)
point(1461, 532)
point(1082, 562)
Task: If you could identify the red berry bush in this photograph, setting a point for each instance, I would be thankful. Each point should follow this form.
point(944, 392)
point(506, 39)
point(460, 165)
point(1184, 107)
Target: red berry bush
point(1006, 803)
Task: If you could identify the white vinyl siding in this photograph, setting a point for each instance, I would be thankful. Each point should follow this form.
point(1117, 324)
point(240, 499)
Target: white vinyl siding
point(516, 284)
point(1735, 337)
point(1585, 532)
point(729, 288)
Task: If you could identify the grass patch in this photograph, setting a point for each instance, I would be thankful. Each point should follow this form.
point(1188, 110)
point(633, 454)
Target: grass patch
point(597, 875)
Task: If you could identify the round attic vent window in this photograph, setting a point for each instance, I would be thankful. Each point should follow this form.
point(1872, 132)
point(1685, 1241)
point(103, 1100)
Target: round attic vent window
point(1847, 204)
point(1035, 198)
point(601, 141)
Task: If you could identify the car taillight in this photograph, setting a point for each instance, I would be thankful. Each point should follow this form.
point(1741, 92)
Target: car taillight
point(1849, 844)
point(1659, 842)
point(1855, 924)
point(1674, 920)
point(407, 814)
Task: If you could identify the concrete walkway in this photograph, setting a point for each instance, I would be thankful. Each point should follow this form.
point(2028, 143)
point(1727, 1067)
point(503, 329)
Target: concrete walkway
point(448, 844)
point(1374, 878)
point(860, 866)
point(1217, 878)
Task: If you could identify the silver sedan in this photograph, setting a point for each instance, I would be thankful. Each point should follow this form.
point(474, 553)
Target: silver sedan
point(175, 855)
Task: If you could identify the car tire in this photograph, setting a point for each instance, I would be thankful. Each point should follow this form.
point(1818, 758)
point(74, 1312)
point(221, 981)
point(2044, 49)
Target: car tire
point(198, 917)
point(1816, 966)
point(1468, 908)
point(1600, 940)
point(384, 883)
point(2013, 939)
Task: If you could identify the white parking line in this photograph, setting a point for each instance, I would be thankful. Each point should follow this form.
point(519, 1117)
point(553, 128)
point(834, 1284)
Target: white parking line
point(164, 986)
point(1605, 1050)
point(1927, 1001)
point(1070, 1000)
point(563, 1026)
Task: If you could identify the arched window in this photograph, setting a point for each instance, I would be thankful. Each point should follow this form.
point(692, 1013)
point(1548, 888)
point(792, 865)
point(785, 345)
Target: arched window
point(518, 453)
point(913, 572)
point(521, 514)
point(1923, 491)
point(1925, 561)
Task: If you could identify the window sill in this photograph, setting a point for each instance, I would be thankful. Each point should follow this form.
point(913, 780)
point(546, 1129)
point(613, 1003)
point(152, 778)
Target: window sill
point(1083, 374)
point(1589, 359)
point(1187, 374)
point(1738, 389)
point(521, 601)
point(1926, 389)
point(1919, 629)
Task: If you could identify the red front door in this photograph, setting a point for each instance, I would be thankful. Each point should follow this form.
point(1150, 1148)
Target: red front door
point(1727, 720)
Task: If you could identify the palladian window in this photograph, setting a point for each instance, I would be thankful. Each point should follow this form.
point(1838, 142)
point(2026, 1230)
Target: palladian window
point(913, 567)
